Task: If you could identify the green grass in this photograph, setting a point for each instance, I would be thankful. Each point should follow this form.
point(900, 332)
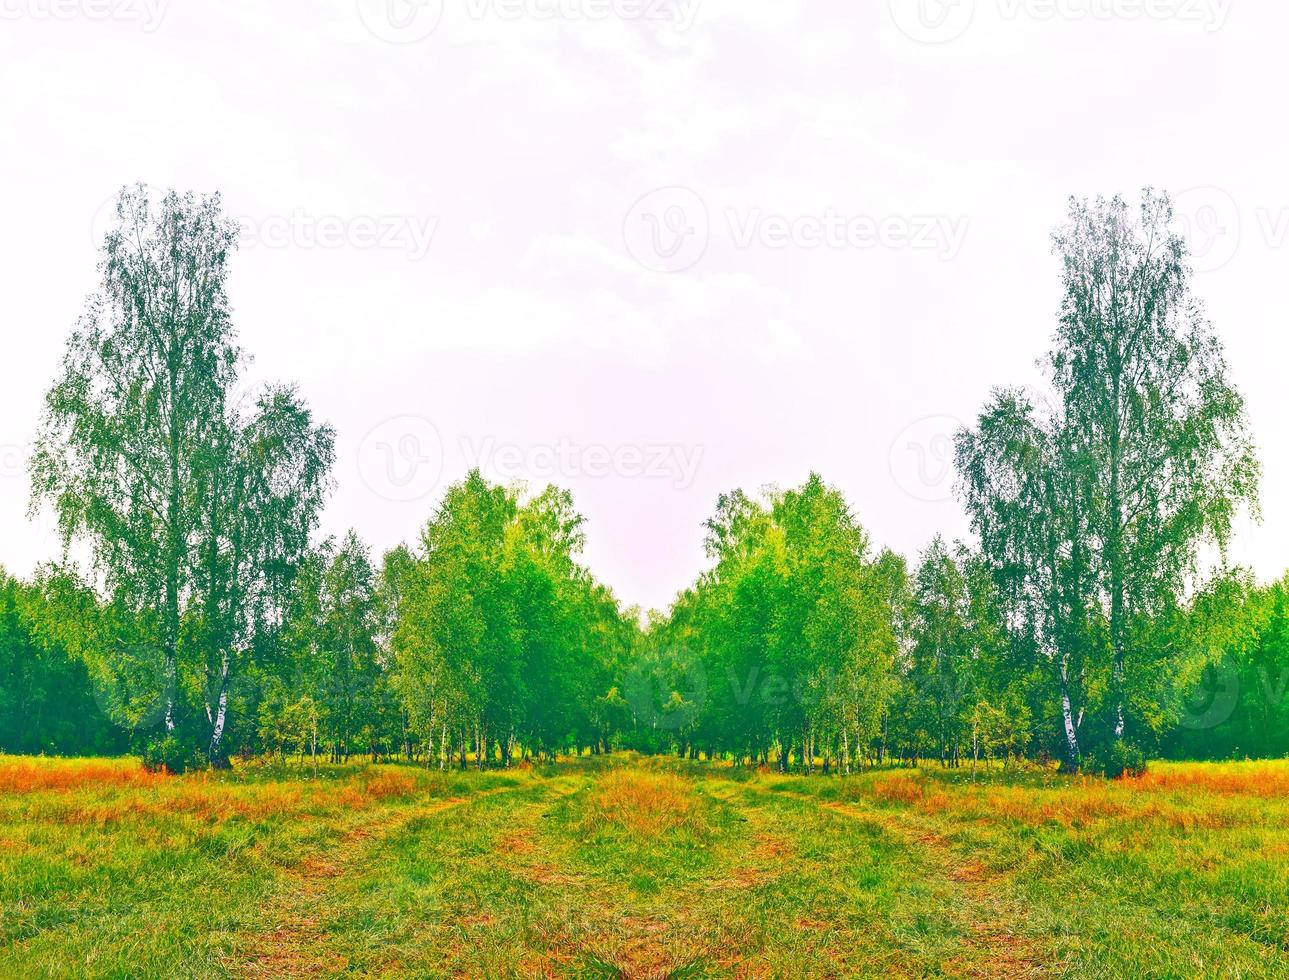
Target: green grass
point(641, 868)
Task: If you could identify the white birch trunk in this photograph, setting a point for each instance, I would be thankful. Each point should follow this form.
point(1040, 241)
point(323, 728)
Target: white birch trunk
point(1067, 713)
point(221, 711)
point(218, 733)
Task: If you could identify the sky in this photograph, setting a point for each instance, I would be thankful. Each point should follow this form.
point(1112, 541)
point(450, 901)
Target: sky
point(649, 250)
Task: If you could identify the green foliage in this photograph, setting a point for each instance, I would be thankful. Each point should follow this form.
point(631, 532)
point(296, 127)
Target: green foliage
point(47, 704)
point(501, 639)
point(789, 641)
point(286, 724)
point(1231, 700)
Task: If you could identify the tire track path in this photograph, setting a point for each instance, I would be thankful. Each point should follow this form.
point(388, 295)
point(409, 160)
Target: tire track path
point(296, 946)
point(996, 945)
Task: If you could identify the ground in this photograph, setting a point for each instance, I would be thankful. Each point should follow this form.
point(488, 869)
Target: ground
point(640, 867)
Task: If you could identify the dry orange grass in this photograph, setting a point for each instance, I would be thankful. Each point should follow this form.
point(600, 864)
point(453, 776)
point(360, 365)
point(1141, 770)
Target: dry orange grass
point(30, 777)
point(389, 784)
point(1085, 802)
point(103, 792)
point(645, 803)
point(1237, 780)
point(900, 789)
point(1177, 796)
point(201, 799)
point(378, 786)
point(1074, 807)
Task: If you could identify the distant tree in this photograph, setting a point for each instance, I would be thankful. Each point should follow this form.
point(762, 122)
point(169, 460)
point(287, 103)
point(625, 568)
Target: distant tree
point(502, 642)
point(347, 648)
point(1231, 699)
point(942, 657)
point(47, 700)
point(787, 644)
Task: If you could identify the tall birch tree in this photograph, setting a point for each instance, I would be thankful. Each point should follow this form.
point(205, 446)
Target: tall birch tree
point(1151, 410)
point(193, 510)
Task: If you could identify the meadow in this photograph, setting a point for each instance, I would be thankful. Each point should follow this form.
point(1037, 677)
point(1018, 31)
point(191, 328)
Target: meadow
point(630, 866)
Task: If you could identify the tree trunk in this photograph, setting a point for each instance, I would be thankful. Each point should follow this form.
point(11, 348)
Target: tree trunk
point(215, 753)
point(1071, 729)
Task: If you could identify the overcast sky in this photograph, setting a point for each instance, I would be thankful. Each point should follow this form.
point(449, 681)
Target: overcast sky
point(650, 250)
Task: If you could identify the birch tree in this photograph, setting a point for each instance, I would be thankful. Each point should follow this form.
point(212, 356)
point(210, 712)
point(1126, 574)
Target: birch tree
point(192, 510)
point(792, 633)
point(1021, 484)
point(128, 429)
point(1145, 391)
point(1094, 513)
point(259, 508)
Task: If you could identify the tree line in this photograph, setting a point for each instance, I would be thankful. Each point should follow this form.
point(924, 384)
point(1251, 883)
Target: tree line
point(1092, 618)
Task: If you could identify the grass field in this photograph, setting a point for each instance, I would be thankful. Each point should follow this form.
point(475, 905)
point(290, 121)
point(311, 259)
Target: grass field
point(629, 867)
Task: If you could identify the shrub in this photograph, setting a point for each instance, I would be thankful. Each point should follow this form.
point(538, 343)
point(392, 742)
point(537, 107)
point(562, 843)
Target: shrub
point(1118, 759)
point(167, 753)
